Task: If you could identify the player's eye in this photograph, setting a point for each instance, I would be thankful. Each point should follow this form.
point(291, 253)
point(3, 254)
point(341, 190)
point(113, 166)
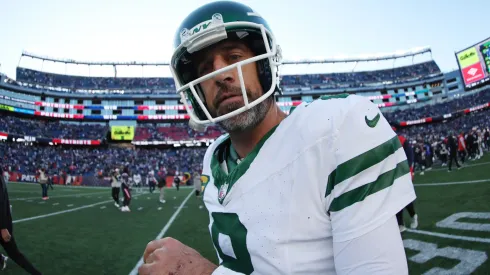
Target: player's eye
point(235, 57)
point(204, 68)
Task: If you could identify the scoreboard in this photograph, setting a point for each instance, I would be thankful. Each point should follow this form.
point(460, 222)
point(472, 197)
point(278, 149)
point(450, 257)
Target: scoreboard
point(474, 64)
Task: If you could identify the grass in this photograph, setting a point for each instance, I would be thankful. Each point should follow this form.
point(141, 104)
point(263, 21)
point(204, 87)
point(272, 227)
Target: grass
point(102, 240)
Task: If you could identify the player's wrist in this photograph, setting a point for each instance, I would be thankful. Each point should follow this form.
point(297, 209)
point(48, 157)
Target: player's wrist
point(205, 268)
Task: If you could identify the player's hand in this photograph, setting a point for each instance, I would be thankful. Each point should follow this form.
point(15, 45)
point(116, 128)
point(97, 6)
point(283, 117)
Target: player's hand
point(169, 256)
point(6, 235)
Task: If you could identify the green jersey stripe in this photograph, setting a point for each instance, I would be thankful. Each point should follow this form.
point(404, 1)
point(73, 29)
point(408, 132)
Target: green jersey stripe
point(360, 193)
point(362, 162)
point(220, 177)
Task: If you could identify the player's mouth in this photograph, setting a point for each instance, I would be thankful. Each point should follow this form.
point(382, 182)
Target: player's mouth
point(229, 103)
point(227, 99)
point(230, 99)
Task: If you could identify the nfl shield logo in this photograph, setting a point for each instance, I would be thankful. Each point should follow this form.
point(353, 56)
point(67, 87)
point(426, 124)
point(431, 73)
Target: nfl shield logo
point(222, 191)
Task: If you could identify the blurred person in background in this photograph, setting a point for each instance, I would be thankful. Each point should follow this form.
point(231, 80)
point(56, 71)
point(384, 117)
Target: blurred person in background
point(43, 180)
point(196, 179)
point(137, 181)
point(152, 181)
point(125, 190)
point(7, 239)
point(454, 145)
point(177, 181)
point(409, 151)
point(116, 186)
point(161, 186)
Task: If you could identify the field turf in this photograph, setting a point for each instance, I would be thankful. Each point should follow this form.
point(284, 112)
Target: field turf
point(80, 231)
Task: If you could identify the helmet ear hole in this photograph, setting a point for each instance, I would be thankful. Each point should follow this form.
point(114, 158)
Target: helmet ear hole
point(265, 74)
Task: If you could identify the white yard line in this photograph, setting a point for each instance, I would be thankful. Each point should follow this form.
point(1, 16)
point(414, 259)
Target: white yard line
point(164, 230)
point(61, 186)
point(62, 212)
point(61, 196)
point(469, 165)
point(449, 236)
point(16, 191)
point(451, 183)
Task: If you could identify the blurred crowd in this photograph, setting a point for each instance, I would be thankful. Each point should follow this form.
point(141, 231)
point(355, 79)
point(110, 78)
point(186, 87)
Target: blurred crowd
point(361, 79)
point(174, 131)
point(74, 83)
point(135, 85)
point(18, 157)
point(51, 129)
point(430, 142)
point(440, 108)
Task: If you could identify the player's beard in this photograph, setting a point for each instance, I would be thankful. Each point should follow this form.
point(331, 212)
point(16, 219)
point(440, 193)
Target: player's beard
point(248, 119)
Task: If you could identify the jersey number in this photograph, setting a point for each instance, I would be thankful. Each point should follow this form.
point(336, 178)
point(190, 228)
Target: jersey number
point(229, 226)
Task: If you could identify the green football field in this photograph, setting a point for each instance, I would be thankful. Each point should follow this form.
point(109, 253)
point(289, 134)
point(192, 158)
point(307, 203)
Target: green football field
point(80, 231)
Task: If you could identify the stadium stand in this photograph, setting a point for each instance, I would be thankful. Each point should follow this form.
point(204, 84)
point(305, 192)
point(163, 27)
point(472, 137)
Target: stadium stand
point(430, 110)
point(362, 79)
point(51, 129)
point(161, 143)
point(88, 161)
point(174, 132)
point(44, 80)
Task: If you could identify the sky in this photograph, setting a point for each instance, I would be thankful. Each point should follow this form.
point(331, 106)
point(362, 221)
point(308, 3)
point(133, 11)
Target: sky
point(143, 30)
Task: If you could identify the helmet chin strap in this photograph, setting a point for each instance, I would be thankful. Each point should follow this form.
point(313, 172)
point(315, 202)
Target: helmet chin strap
point(197, 127)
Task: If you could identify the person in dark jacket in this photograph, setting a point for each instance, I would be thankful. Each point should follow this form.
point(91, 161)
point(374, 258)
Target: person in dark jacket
point(177, 181)
point(7, 239)
point(453, 147)
point(126, 189)
point(409, 151)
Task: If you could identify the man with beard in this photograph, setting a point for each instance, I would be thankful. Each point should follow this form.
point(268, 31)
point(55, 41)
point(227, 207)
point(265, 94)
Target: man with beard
point(357, 176)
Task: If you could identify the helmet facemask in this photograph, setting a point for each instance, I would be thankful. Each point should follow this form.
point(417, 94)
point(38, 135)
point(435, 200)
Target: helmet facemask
point(258, 38)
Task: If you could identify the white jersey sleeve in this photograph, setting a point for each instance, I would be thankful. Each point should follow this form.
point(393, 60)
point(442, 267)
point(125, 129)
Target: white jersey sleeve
point(371, 181)
point(389, 247)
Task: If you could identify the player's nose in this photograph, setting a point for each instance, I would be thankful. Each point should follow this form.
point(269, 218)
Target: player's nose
point(220, 62)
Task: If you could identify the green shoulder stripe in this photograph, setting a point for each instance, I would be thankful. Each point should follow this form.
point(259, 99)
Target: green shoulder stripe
point(361, 162)
point(359, 194)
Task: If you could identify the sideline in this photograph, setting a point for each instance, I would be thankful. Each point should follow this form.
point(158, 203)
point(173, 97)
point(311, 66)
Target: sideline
point(17, 183)
point(61, 196)
point(451, 183)
point(469, 165)
point(449, 236)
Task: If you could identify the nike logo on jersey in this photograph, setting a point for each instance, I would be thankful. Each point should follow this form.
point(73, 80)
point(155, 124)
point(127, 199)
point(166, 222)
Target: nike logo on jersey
point(372, 122)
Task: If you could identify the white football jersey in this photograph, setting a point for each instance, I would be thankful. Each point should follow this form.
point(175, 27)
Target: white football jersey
point(333, 170)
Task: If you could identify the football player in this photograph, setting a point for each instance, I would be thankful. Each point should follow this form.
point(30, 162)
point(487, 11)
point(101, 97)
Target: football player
point(137, 181)
point(125, 185)
point(312, 192)
point(151, 180)
point(116, 186)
